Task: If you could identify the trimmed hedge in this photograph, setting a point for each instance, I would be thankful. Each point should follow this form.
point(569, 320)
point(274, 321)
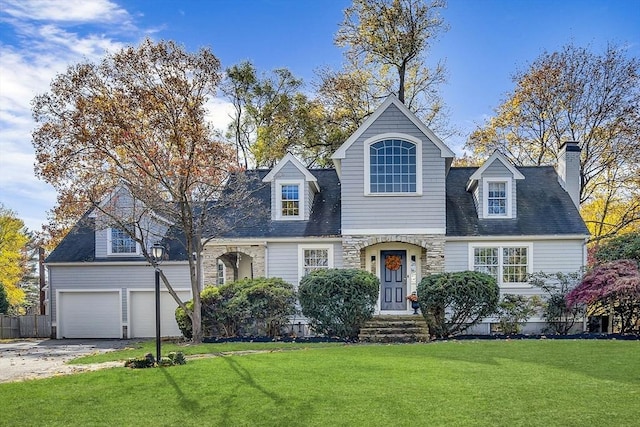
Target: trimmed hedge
point(338, 302)
point(258, 306)
point(453, 302)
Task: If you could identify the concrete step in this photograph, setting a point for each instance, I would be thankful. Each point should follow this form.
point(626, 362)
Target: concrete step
point(389, 329)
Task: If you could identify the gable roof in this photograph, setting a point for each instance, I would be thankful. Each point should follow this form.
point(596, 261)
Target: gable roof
point(544, 207)
point(290, 158)
point(496, 156)
point(253, 214)
point(79, 245)
point(391, 99)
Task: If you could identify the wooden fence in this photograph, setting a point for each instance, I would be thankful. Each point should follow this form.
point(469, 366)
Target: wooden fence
point(29, 326)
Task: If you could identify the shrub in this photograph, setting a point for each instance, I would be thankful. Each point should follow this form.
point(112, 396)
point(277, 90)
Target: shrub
point(177, 358)
point(559, 316)
point(514, 310)
point(338, 302)
point(251, 306)
point(613, 287)
point(184, 321)
point(452, 302)
point(141, 362)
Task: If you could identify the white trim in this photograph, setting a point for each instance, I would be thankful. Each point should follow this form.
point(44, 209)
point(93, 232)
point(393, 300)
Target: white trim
point(141, 262)
point(110, 252)
point(500, 246)
point(391, 99)
point(239, 242)
point(303, 247)
point(301, 199)
point(515, 238)
point(495, 156)
point(378, 231)
point(508, 194)
point(308, 176)
point(67, 290)
point(367, 162)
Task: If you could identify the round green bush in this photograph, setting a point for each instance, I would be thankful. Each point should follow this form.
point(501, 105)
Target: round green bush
point(453, 302)
point(338, 302)
point(259, 306)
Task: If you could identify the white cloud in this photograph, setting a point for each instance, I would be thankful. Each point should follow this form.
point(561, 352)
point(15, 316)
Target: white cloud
point(219, 113)
point(80, 11)
point(39, 40)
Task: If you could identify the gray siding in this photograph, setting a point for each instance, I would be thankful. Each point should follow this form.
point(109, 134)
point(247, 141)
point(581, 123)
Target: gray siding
point(96, 277)
point(550, 256)
point(284, 263)
point(388, 212)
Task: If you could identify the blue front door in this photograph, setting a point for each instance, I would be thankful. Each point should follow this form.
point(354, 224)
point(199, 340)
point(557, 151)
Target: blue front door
point(393, 279)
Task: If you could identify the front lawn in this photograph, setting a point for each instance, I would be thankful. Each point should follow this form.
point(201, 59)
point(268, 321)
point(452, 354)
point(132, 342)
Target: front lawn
point(488, 383)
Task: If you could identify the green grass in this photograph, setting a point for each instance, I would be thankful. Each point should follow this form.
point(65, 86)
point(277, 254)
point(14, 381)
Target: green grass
point(138, 349)
point(479, 383)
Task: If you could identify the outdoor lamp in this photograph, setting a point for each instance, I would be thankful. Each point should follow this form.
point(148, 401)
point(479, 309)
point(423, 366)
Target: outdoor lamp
point(157, 251)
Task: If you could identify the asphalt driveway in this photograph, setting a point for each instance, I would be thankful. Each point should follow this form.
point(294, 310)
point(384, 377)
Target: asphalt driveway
point(40, 358)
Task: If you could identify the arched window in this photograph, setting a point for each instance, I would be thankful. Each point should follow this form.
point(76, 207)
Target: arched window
point(392, 167)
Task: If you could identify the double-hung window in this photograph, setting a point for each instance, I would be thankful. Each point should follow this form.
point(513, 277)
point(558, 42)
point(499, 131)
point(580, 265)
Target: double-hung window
point(120, 242)
point(508, 264)
point(290, 199)
point(497, 198)
point(314, 257)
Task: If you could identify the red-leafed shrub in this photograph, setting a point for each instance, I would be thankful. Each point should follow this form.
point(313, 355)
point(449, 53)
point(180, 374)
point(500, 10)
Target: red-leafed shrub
point(613, 287)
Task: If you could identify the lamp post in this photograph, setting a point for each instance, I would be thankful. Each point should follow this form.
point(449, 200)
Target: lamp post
point(157, 251)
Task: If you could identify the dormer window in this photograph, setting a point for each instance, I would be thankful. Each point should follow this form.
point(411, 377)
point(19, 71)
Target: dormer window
point(497, 198)
point(289, 200)
point(392, 165)
point(290, 194)
point(121, 243)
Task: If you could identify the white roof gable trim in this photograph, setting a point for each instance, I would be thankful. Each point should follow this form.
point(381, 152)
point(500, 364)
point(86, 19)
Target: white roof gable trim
point(392, 99)
point(308, 176)
point(477, 175)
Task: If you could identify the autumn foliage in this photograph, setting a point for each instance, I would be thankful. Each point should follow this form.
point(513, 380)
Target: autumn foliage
point(613, 287)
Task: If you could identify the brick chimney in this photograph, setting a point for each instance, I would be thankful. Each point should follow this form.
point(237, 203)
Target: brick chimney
point(568, 169)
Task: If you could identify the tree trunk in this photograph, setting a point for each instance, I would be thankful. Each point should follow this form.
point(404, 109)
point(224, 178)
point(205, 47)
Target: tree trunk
point(401, 73)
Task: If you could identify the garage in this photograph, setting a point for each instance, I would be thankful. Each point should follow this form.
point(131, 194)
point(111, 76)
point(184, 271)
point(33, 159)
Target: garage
point(86, 314)
point(142, 313)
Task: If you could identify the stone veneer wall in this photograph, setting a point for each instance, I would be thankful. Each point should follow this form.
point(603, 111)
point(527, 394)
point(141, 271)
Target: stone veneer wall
point(212, 253)
point(432, 257)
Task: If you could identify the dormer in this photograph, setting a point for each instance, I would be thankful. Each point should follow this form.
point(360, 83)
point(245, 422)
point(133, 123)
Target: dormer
point(117, 217)
point(493, 187)
point(292, 190)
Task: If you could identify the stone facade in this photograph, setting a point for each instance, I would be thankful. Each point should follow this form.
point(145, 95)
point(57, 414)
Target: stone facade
point(256, 254)
point(432, 256)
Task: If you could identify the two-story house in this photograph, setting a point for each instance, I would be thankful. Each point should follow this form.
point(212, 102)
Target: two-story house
point(393, 206)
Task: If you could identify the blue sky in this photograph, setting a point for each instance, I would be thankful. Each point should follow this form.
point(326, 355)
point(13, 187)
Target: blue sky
point(487, 42)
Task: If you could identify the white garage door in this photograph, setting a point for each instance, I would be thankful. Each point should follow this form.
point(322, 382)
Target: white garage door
point(89, 315)
point(142, 314)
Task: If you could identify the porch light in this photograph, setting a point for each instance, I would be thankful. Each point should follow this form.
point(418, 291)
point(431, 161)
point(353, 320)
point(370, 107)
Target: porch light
point(157, 251)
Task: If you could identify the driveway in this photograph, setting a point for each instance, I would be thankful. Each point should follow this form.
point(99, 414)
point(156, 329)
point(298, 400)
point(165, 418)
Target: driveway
point(40, 358)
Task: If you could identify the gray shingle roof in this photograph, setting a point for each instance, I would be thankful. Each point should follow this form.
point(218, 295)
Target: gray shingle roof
point(543, 207)
point(257, 223)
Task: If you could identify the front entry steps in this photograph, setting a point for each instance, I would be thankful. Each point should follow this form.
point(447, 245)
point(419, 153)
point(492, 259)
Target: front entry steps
point(395, 329)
